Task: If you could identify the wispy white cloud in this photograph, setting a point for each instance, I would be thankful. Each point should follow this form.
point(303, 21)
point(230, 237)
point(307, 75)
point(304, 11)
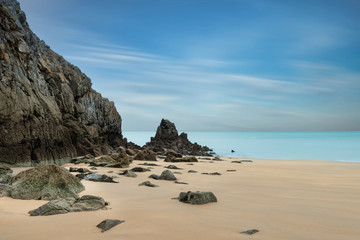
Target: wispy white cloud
point(315, 38)
point(157, 69)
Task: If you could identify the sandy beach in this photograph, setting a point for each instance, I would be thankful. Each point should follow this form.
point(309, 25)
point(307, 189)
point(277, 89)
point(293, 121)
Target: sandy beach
point(284, 199)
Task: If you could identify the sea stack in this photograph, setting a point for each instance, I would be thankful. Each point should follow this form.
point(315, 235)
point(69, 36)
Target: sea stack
point(48, 110)
point(167, 138)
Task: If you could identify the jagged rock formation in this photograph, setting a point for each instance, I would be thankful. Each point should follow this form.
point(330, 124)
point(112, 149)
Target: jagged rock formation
point(48, 110)
point(167, 138)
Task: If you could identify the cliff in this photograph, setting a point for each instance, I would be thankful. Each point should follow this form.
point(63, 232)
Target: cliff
point(48, 110)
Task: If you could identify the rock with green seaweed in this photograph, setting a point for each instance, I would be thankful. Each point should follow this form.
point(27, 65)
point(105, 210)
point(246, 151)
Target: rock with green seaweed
point(46, 182)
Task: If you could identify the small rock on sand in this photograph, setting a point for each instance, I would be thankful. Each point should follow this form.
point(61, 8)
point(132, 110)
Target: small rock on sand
point(165, 175)
point(94, 177)
point(149, 164)
point(247, 161)
point(241, 161)
point(173, 167)
point(192, 171)
point(148, 184)
point(140, 169)
point(214, 173)
point(154, 176)
point(108, 224)
point(197, 197)
point(250, 232)
point(129, 173)
point(177, 182)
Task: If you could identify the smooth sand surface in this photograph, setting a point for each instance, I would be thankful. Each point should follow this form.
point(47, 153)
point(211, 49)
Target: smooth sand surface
point(283, 199)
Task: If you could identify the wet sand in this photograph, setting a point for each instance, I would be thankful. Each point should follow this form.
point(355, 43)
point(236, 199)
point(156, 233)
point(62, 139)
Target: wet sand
point(283, 199)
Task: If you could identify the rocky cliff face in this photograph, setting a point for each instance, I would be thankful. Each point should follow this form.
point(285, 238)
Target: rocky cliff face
point(48, 110)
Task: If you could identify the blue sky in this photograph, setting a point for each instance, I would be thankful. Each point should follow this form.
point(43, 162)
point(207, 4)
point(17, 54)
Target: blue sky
point(221, 65)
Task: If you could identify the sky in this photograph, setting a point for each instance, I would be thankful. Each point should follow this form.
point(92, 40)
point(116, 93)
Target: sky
point(214, 65)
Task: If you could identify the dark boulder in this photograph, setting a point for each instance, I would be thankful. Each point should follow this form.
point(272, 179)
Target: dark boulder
point(65, 205)
point(88, 203)
point(107, 224)
point(140, 169)
point(197, 197)
point(45, 182)
point(167, 175)
point(154, 176)
point(57, 206)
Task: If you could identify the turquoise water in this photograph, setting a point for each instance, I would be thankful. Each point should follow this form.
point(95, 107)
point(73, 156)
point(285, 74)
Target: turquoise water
point(334, 146)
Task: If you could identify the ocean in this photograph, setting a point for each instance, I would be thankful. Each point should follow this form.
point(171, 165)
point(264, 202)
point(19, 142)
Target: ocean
point(332, 146)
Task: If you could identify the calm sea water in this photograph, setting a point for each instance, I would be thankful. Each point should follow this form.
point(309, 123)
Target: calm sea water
point(335, 146)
